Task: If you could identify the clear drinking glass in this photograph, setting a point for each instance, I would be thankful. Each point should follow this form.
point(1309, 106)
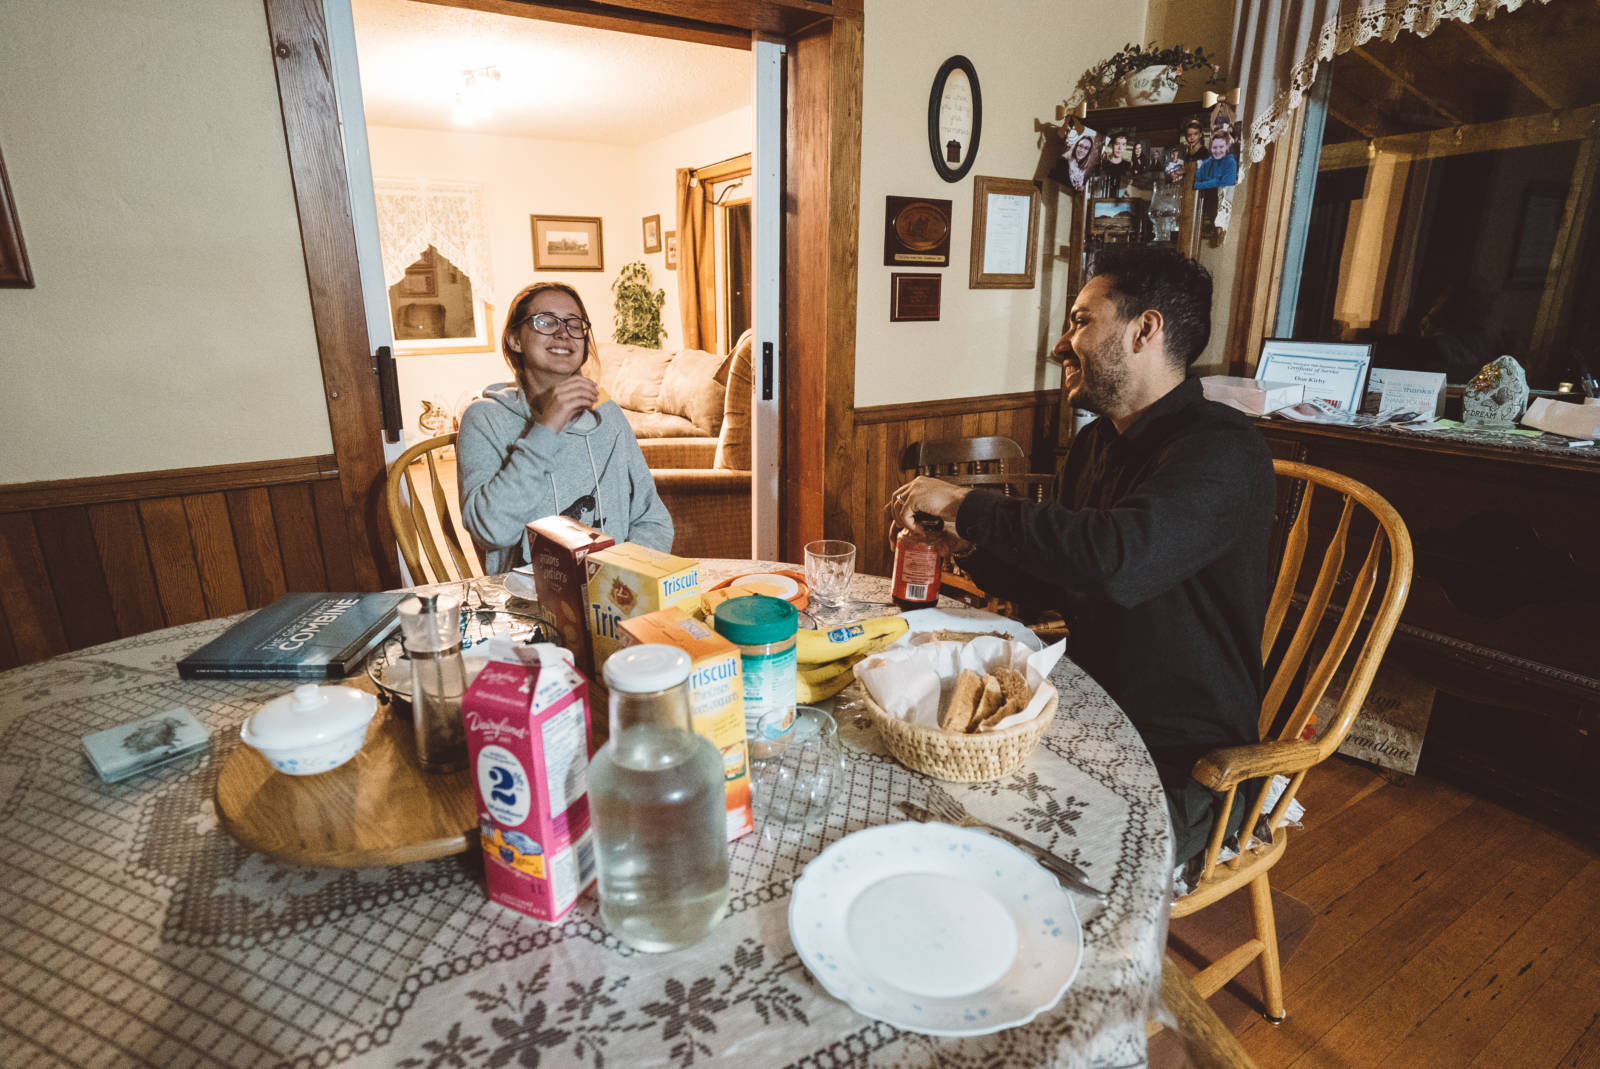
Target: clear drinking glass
point(797, 784)
point(830, 565)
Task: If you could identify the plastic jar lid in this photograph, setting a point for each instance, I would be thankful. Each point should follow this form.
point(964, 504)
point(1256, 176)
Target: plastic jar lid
point(756, 620)
point(646, 669)
point(311, 714)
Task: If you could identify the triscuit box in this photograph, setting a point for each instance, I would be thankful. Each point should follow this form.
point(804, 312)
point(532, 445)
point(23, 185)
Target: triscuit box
point(629, 580)
point(557, 548)
point(527, 748)
point(716, 698)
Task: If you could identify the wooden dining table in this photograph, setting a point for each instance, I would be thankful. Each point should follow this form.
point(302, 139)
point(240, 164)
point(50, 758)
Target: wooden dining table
point(138, 931)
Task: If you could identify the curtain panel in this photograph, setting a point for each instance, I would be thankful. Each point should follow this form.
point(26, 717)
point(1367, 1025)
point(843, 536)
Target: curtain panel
point(415, 213)
point(697, 264)
point(1278, 45)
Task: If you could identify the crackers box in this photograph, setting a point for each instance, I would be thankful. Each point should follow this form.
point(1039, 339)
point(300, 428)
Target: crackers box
point(527, 746)
point(716, 698)
point(629, 580)
point(557, 548)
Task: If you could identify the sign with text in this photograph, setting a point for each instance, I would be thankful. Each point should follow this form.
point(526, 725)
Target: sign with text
point(1331, 371)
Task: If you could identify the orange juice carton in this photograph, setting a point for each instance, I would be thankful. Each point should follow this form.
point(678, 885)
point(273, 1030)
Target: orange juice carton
point(527, 724)
point(628, 580)
point(716, 697)
point(557, 547)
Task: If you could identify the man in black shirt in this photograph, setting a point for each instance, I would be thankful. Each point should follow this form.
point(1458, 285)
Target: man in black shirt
point(1156, 549)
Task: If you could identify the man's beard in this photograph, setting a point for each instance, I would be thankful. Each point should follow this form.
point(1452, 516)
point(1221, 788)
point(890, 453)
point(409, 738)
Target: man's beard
point(1103, 378)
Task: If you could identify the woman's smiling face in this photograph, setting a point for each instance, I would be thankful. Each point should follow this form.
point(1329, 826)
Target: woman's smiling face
point(551, 356)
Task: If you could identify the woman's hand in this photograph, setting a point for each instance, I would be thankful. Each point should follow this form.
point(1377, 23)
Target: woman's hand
point(570, 397)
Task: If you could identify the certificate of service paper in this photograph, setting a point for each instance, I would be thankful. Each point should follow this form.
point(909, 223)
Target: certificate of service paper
point(1005, 234)
point(1334, 372)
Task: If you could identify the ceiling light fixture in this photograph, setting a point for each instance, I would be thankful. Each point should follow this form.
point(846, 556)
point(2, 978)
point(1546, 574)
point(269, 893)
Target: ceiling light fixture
point(474, 99)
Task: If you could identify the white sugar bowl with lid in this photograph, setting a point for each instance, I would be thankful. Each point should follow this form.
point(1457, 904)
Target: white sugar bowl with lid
point(311, 730)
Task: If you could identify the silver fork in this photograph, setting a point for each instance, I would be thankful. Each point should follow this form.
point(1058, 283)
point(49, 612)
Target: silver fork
point(1069, 874)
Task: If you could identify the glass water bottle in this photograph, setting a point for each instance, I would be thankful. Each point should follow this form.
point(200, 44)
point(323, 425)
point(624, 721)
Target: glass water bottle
point(659, 808)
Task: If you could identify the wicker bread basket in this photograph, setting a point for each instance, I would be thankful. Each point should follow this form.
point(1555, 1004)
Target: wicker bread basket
point(984, 755)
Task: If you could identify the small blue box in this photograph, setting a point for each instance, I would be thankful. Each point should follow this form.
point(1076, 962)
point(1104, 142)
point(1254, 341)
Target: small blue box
point(123, 751)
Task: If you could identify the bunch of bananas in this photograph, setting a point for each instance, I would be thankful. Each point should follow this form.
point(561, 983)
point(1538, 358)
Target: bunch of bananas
point(827, 657)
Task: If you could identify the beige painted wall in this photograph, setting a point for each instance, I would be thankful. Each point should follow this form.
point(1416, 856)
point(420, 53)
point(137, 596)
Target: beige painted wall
point(523, 176)
point(1028, 54)
point(171, 323)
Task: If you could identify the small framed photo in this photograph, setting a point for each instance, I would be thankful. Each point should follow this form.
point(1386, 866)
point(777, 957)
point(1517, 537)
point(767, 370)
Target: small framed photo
point(914, 298)
point(1116, 219)
point(672, 249)
point(652, 233)
point(1005, 234)
point(567, 243)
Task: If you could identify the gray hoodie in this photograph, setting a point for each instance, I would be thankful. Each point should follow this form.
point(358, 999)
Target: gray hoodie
point(513, 470)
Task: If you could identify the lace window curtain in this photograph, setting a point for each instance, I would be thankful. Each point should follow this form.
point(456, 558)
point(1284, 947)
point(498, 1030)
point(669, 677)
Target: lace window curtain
point(414, 213)
point(1278, 44)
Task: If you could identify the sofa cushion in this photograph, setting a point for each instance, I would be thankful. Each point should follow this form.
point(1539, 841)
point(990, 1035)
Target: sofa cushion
point(660, 425)
point(632, 375)
point(733, 446)
point(690, 389)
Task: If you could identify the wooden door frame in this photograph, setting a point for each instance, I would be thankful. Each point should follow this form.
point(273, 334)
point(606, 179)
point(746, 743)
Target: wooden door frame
point(822, 180)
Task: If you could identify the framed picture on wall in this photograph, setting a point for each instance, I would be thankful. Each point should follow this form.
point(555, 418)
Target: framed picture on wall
point(672, 249)
point(14, 269)
point(567, 243)
point(913, 298)
point(652, 233)
point(1005, 233)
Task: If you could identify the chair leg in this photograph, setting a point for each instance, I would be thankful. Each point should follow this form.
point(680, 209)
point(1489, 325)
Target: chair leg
point(1267, 933)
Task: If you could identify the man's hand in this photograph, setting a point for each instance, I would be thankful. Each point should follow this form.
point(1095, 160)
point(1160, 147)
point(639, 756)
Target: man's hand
point(923, 494)
point(572, 396)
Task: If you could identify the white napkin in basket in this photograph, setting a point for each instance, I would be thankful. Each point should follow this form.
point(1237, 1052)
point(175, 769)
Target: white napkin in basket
point(911, 682)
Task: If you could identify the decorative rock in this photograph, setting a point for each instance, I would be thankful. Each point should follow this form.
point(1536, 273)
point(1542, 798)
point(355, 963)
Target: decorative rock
point(1497, 396)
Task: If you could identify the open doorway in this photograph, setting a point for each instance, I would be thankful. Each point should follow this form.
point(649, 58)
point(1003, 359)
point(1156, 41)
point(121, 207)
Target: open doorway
point(507, 150)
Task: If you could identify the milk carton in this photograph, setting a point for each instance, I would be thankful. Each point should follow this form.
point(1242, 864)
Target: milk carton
point(527, 733)
point(716, 697)
point(629, 580)
point(557, 547)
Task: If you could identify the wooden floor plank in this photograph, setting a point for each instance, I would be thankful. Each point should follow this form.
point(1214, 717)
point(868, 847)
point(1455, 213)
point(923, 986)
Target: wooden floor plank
point(1430, 979)
point(1360, 940)
point(1556, 1018)
point(1500, 986)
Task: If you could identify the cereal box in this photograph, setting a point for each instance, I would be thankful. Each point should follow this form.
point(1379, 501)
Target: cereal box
point(629, 580)
point(716, 697)
point(527, 731)
point(557, 548)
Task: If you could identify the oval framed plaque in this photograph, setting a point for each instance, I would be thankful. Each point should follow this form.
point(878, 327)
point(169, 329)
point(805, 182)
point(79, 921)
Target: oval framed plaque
point(955, 118)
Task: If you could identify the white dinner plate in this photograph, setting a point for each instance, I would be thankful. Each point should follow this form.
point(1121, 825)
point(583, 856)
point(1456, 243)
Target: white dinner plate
point(971, 620)
point(935, 929)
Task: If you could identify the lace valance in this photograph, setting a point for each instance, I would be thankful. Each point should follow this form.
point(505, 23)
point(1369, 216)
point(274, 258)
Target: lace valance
point(415, 213)
point(1278, 44)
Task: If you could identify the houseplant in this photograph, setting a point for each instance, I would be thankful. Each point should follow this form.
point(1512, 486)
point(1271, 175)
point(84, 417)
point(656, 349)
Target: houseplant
point(637, 315)
point(1142, 74)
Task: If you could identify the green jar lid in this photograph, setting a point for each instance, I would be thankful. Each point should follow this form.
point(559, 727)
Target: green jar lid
point(756, 620)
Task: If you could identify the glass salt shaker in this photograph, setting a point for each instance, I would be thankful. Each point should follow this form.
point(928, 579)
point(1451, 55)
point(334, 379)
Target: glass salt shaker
point(431, 625)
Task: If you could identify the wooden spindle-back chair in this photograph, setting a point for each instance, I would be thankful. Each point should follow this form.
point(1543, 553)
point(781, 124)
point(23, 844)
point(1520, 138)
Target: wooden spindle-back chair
point(427, 514)
point(1312, 583)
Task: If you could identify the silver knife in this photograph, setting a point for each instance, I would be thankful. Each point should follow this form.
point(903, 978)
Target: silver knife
point(1062, 869)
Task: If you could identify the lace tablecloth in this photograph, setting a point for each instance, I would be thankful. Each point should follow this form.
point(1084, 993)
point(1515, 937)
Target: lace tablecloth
point(136, 931)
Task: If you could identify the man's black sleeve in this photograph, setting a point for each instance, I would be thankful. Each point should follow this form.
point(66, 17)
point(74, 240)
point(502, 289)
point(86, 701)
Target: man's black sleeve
point(1179, 516)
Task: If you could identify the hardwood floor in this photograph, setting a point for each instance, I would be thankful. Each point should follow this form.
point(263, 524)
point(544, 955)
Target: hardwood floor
point(1427, 927)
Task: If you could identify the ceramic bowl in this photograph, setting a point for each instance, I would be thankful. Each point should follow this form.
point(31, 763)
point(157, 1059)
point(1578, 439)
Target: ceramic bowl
point(314, 729)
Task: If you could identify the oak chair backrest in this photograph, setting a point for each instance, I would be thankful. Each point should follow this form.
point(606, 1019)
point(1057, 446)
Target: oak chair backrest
point(992, 462)
point(424, 508)
point(1367, 552)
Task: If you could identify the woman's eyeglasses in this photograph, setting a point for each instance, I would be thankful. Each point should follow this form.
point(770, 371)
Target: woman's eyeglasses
point(545, 323)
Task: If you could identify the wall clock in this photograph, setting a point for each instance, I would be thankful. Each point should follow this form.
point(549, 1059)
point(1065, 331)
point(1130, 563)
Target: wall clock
point(955, 118)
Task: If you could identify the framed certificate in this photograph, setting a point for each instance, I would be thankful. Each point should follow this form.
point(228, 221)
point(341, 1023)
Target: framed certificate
point(1331, 371)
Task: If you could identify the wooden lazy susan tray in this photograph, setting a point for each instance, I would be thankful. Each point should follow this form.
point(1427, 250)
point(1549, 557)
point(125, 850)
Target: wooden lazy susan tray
point(378, 808)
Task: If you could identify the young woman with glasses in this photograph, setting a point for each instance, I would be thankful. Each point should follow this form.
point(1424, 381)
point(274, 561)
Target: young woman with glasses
point(551, 442)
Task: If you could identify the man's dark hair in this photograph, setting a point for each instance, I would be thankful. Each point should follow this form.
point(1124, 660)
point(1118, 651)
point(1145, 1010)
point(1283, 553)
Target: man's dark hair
point(1143, 278)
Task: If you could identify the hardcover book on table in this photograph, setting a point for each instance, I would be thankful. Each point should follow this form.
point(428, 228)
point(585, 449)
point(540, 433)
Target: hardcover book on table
point(299, 636)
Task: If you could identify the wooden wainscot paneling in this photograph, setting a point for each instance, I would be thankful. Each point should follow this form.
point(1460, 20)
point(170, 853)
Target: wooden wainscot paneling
point(882, 432)
point(85, 561)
